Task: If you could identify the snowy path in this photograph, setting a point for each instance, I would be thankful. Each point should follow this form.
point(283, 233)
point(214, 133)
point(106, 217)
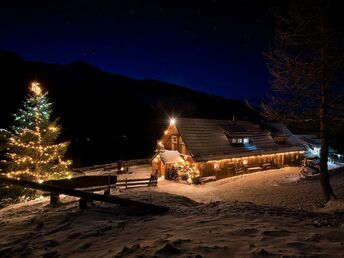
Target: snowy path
point(280, 187)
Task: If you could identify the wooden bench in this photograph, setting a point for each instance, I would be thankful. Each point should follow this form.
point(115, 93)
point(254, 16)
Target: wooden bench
point(254, 169)
point(238, 170)
point(207, 179)
point(266, 166)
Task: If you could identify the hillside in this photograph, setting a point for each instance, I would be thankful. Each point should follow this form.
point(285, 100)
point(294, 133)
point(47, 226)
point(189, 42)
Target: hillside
point(107, 116)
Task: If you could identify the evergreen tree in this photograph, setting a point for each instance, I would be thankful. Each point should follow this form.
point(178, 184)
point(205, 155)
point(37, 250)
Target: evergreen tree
point(32, 152)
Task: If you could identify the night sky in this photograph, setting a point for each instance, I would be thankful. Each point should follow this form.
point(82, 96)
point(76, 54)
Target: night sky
point(211, 46)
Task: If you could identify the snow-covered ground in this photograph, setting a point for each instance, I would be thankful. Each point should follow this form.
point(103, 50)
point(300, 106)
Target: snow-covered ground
point(281, 187)
point(238, 217)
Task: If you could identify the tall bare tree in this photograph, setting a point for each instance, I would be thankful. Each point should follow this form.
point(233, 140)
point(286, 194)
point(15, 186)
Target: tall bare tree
point(304, 62)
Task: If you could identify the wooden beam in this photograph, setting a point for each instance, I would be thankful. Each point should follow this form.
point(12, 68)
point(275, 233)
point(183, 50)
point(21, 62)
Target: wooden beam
point(83, 181)
point(153, 183)
point(137, 180)
point(151, 208)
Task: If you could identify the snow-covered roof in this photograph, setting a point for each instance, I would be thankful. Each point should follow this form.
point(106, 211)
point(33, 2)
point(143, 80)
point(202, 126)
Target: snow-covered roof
point(312, 140)
point(170, 157)
point(207, 139)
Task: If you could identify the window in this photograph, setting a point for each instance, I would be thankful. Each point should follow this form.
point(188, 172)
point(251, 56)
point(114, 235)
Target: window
point(174, 140)
point(239, 141)
point(280, 139)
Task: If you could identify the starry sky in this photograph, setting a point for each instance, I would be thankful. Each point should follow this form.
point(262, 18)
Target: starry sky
point(211, 46)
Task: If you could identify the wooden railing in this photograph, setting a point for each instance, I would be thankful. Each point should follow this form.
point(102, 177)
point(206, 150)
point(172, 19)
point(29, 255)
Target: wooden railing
point(84, 195)
point(138, 182)
point(114, 165)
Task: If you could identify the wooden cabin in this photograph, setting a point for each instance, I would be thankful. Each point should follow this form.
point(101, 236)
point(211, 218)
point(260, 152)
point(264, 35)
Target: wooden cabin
point(225, 148)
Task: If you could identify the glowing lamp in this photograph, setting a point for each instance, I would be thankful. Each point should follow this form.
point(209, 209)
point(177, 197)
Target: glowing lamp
point(172, 121)
point(40, 181)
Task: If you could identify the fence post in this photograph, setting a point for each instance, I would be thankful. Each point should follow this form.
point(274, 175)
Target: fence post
point(82, 203)
point(108, 190)
point(54, 199)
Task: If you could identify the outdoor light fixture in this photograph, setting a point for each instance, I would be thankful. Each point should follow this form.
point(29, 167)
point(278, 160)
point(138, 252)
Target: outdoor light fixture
point(172, 121)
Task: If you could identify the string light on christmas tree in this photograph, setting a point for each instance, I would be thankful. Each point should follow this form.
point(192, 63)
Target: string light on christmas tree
point(188, 171)
point(32, 151)
point(52, 128)
point(36, 89)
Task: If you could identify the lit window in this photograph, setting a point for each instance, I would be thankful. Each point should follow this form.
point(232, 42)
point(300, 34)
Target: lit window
point(174, 139)
point(246, 141)
point(234, 141)
point(239, 140)
point(216, 166)
point(245, 162)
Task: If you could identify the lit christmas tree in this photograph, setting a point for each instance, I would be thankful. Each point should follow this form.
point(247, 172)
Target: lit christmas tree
point(187, 171)
point(32, 151)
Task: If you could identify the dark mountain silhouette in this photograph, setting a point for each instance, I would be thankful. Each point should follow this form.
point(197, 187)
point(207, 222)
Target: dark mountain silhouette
point(106, 116)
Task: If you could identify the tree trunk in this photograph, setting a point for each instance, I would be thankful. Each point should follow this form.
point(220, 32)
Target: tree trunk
point(324, 150)
point(324, 175)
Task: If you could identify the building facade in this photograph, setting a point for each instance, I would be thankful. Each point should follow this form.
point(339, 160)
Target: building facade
point(223, 148)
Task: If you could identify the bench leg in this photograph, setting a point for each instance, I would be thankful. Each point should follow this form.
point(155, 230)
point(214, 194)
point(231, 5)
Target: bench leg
point(82, 203)
point(54, 199)
point(107, 192)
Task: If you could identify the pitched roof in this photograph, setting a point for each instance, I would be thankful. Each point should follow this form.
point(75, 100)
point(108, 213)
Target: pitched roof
point(312, 140)
point(170, 157)
point(206, 139)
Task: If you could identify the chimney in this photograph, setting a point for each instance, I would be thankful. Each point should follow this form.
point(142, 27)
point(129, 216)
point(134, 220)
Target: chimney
point(233, 119)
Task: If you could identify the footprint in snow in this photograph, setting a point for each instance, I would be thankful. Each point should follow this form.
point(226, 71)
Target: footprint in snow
point(74, 235)
point(85, 246)
point(276, 233)
point(51, 243)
